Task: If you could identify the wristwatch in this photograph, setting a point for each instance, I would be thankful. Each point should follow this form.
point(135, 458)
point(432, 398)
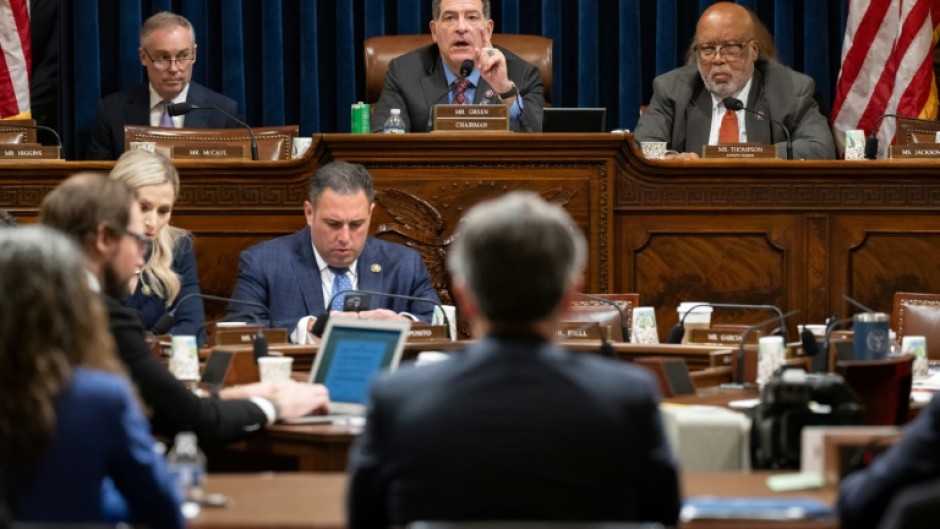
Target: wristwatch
point(513, 92)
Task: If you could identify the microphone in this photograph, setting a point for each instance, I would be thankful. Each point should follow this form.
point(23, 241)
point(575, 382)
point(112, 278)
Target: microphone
point(735, 104)
point(466, 67)
point(739, 371)
point(830, 326)
point(678, 331)
point(320, 325)
point(260, 345)
point(450, 88)
point(50, 130)
point(625, 335)
point(871, 143)
point(180, 109)
point(856, 304)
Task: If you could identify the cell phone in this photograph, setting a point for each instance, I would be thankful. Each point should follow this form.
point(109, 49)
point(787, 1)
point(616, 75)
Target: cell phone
point(357, 302)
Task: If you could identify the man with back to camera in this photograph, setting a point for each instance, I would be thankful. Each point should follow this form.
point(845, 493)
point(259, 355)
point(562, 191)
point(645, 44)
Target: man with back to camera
point(687, 111)
point(461, 30)
point(168, 52)
point(104, 217)
point(297, 275)
point(514, 428)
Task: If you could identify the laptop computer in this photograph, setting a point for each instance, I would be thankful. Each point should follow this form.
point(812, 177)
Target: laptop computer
point(557, 119)
point(351, 355)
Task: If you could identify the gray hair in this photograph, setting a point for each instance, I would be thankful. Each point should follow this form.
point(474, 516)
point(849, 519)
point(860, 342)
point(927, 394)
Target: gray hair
point(342, 177)
point(165, 19)
point(517, 255)
point(436, 9)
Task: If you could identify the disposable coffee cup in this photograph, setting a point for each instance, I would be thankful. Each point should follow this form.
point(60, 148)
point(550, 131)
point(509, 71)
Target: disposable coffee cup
point(771, 354)
point(275, 368)
point(438, 319)
point(299, 147)
point(654, 150)
point(855, 144)
point(872, 341)
point(184, 361)
point(644, 326)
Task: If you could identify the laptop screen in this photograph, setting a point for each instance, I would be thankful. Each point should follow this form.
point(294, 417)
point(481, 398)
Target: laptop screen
point(353, 353)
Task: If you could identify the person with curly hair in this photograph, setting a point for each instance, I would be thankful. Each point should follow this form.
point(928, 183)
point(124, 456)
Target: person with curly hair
point(71, 428)
point(170, 272)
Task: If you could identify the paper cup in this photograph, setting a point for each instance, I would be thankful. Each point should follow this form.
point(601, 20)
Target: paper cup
point(855, 144)
point(184, 362)
point(451, 312)
point(275, 368)
point(644, 326)
point(654, 150)
point(771, 354)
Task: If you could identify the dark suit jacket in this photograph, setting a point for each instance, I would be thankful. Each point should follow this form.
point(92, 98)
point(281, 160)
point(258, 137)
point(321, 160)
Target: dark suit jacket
point(132, 107)
point(191, 315)
point(680, 112)
point(282, 274)
point(415, 82)
point(175, 408)
point(513, 428)
point(100, 433)
point(864, 495)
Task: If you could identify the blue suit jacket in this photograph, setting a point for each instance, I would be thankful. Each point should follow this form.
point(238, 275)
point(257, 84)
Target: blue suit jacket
point(100, 433)
point(191, 315)
point(865, 495)
point(282, 275)
point(132, 107)
point(512, 429)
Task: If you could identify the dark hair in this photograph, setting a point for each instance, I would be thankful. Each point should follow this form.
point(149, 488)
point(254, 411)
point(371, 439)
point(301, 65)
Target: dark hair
point(436, 9)
point(342, 177)
point(83, 202)
point(517, 255)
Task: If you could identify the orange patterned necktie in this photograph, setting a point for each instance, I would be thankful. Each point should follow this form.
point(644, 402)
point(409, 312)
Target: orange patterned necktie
point(728, 132)
point(460, 89)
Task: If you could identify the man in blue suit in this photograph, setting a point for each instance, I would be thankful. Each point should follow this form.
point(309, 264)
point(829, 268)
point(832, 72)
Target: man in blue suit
point(298, 275)
point(167, 51)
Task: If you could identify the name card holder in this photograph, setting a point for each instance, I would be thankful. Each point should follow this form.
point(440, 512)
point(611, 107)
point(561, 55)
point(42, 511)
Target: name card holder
point(29, 151)
point(741, 151)
point(425, 332)
point(719, 337)
point(580, 330)
point(245, 335)
point(471, 118)
point(203, 151)
point(916, 150)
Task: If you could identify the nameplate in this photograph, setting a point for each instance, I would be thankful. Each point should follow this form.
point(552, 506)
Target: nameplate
point(471, 118)
point(579, 330)
point(246, 335)
point(207, 152)
point(28, 151)
point(740, 151)
point(917, 150)
point(709, 336)
point(424, 332)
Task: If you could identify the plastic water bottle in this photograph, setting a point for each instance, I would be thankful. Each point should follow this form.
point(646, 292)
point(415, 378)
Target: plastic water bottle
point(187, 464)
point(394, 124)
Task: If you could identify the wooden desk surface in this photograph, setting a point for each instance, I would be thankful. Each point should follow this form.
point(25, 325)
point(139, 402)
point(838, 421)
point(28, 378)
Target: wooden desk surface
point(317, 501)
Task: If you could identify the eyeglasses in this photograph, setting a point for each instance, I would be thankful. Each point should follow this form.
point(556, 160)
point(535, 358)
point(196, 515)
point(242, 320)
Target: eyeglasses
point(144, 244)
point(728, 50)
point(450, 19)
point(163, 63)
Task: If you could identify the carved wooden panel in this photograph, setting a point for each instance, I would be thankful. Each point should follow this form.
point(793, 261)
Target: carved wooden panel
point(723, 259)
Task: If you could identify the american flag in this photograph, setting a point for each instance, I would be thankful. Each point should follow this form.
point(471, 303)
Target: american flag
point(887, 66)
point(15, 59)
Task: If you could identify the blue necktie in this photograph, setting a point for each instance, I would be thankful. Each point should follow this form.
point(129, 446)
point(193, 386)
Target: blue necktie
point(341, 283)
point(165, 119)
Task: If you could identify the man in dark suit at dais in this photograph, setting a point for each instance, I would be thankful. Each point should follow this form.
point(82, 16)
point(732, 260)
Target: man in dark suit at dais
point(168, 52)
point(297, 276)
point(514, 428)
point(461, 30)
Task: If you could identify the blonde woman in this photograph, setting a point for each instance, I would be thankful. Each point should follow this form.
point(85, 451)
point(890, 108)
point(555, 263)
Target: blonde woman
point(72, 434)
point(170, 270)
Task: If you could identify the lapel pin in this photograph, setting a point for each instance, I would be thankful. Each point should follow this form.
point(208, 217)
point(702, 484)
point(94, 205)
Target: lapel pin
point(375, 268)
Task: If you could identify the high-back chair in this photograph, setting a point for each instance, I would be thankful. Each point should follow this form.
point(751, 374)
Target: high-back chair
point(883, 385)
point(379, 51)
point(918, 314)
